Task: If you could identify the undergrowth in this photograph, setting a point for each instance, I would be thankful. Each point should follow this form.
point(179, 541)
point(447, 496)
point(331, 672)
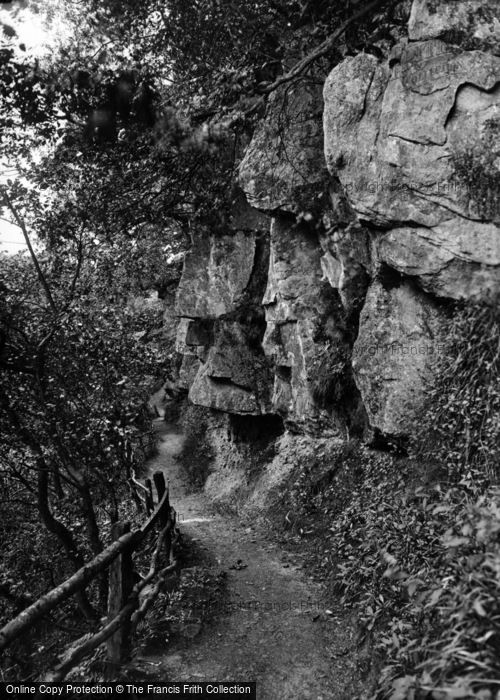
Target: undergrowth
point(181, 613)
point(414, 543)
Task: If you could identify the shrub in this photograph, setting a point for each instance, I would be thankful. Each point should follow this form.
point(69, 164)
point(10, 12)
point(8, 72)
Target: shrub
point(414, 543)
point(421, 565)
point(450, 641)
point(460, 425)
point(327, 376)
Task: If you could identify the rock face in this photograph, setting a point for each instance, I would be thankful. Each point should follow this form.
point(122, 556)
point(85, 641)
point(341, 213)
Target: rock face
point(220, 327)
point(234, 377)
point(396, 148)
point(411, 141)
point(371, 207)
point(301, 324)
point(398, 330)
point(283, 168)
point(401, 140)
point(472, 24)
point(455, 259)
point(216, 272)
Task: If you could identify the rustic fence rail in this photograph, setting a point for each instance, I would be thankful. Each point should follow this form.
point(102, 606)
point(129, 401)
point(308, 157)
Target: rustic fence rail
point(125, 606)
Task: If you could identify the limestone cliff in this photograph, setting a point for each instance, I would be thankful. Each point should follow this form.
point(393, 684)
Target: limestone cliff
point(369, 199)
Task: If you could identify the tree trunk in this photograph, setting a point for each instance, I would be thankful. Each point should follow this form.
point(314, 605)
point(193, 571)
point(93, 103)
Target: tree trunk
point(62, 533)
point(56, 478)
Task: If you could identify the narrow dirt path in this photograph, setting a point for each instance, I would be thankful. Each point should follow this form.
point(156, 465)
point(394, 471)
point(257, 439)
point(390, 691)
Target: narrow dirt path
point(273, 627)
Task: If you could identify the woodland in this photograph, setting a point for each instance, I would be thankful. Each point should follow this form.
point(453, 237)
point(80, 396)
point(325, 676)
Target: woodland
point(119, 141)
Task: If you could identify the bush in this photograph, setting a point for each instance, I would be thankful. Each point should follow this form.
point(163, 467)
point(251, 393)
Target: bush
point(421, 565)
point(414, 543)
point(327, 376)
point(450, 641)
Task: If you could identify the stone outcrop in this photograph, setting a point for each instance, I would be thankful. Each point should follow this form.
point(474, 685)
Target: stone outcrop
point(283, 168)
point(234, 377)
point(373, 204)
point(216, 272)
point(283, 174)
point(454, 259)
point(411, 142)
point(397, 337)
point(299, 305)
point(395, 146)
point(220, 316)
point(471, 23)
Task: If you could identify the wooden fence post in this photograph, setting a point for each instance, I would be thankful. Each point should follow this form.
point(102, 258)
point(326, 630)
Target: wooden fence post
point(164, 514)
point(137, 500)
point(121, 582)
point(159, 480)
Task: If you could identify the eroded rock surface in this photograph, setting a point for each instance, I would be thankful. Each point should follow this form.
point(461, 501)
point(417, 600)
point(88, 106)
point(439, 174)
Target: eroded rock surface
point(337, 321)
point(302, 324)
point(234, 377)
point(283, 168)
point(401, 137)
point(470, 23)
point(412, 143)
point(454, 259)
point(216, 272)
point(395, 354)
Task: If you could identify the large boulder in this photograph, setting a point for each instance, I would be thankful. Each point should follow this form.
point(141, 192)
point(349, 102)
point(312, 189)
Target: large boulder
point(234, 377)
point(283, 168)
point(216, 272)
point(394, 354)
point(414, 145)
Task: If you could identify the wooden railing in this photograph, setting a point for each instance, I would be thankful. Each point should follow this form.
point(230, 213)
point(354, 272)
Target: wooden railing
point(126, 606)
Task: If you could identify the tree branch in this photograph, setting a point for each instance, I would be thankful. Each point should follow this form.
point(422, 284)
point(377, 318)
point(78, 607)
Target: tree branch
point(327, 45)
point(299, 68)
point(22, 226)
point(77, 269)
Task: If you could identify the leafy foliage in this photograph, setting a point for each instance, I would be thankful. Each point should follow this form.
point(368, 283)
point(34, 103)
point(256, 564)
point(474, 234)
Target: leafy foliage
point(461, 428)
point(75, 377)
point(413, 543)
point(181, 613)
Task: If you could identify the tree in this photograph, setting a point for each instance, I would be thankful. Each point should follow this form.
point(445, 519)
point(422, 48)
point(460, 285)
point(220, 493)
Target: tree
point(74, 381)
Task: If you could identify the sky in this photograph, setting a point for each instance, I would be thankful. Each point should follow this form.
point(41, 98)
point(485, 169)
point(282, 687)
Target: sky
point(11, 238)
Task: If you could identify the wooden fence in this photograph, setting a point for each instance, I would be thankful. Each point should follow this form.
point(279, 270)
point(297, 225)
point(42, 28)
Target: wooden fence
point(129, 595)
